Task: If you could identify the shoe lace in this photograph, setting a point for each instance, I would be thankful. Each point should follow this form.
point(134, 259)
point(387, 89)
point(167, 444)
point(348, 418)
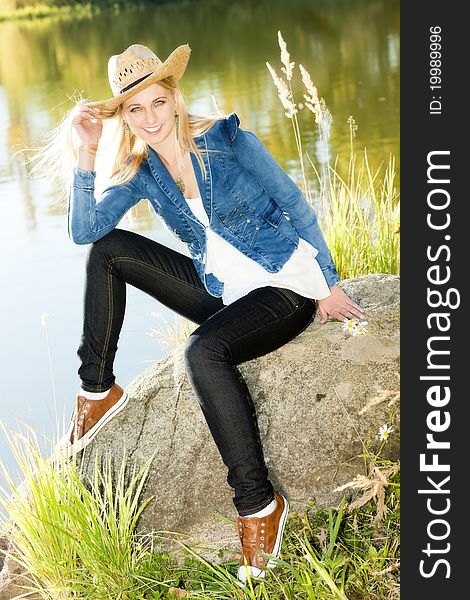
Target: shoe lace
point(251, 534)
point(80, 421)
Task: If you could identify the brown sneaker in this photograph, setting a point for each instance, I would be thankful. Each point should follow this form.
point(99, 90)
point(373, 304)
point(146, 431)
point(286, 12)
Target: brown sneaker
point(261, 534)
point(90, 416)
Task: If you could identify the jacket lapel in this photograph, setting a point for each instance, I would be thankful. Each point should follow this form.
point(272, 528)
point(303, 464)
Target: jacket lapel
point(170, 189)
point(205, 187)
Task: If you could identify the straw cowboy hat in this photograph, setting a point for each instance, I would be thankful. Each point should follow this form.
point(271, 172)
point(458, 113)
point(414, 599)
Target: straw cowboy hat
point(137, 68)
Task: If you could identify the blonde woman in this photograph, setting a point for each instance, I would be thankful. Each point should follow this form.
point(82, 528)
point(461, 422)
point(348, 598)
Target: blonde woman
point(258, 269)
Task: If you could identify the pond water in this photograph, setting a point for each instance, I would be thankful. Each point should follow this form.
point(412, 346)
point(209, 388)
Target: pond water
point(351, 50)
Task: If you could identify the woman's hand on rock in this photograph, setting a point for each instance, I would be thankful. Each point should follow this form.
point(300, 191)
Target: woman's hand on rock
point(339, 306)
point(87, 124)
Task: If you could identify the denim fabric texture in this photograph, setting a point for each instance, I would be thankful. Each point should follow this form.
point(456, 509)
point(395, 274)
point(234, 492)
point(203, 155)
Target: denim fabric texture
point(250, 201)
point(256, 324)
point(254, 205)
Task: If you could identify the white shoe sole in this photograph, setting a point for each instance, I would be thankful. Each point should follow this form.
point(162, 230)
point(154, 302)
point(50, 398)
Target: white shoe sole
point(254, 571)
point(65, 446)
point(280, 532)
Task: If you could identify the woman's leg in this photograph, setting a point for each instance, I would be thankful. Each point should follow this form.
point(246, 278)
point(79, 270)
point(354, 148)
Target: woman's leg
point(122, 257)
point(252, 326)
point(256, 324)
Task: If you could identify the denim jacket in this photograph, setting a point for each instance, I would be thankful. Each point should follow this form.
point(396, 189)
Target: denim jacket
point(249, 199)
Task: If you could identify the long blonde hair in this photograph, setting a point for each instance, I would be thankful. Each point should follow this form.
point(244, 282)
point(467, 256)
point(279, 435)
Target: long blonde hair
point(57, 156)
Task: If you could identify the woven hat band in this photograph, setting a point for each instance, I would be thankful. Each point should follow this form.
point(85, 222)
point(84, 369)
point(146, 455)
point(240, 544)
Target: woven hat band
point(134, 83)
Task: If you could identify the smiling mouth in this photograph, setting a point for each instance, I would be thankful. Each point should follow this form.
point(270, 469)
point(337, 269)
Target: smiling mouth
point(152, 129)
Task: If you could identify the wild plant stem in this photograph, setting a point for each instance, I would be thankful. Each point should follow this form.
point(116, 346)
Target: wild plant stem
point(298, 141)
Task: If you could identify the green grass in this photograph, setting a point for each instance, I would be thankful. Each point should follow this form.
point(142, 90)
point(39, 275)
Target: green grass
point(70, 533)
point(360, 219)
point(358, 206)
point(77, 538)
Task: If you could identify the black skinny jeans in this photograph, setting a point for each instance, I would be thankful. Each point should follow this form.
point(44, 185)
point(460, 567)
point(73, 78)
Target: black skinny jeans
point(256, 324)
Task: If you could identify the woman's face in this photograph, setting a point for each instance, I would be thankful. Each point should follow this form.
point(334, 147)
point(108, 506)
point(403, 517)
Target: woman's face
point(150, 114)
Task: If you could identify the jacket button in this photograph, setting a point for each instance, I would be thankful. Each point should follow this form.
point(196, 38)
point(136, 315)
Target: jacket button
point(248, 220)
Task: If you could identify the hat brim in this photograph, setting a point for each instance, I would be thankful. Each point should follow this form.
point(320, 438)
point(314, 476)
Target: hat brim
point(174, 65)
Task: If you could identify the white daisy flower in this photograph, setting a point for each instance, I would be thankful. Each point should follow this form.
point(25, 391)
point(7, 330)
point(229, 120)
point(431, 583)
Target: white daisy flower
point(361, 328)
point(349, 325)
point(384, 432)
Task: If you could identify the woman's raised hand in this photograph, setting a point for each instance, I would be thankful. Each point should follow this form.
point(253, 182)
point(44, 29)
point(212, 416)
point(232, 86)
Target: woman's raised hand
point(86, 123)
point(339, 306)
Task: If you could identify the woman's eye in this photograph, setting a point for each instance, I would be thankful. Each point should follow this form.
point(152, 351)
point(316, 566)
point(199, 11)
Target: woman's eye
point(157, 102)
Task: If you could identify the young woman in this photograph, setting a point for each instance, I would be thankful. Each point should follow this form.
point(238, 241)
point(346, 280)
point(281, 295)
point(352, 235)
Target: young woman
point(259, 266)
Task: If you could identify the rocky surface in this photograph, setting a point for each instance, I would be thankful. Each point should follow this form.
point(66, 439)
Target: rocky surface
point(319, 399)
point(13, 584)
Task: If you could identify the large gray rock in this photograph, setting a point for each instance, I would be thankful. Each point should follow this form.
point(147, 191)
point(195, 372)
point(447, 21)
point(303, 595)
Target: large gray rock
point(319, 400)
point(13, 583)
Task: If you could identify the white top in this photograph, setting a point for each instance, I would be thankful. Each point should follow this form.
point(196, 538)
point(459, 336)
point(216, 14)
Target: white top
point(241, 274)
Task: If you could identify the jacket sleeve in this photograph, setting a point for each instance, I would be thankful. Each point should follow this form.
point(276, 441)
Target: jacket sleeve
point(89, 220)
point(253, 156)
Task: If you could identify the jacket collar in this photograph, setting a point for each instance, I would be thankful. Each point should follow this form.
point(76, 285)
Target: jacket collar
point(171, 190)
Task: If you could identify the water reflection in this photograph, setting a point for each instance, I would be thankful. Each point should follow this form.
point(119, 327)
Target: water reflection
point(350, 49)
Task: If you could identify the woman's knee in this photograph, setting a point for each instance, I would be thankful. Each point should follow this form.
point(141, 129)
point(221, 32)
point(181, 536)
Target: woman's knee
point(109, 246)
point(194, 351)
point(201, 348)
